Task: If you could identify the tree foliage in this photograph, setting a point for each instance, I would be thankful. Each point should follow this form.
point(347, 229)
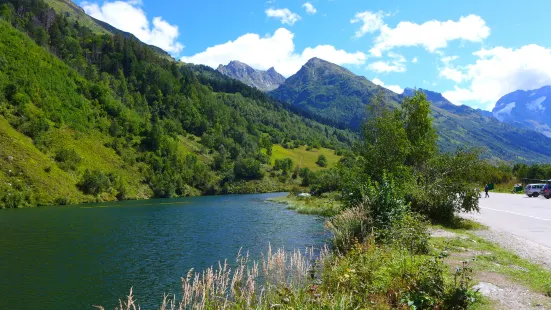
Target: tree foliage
point(141, 103)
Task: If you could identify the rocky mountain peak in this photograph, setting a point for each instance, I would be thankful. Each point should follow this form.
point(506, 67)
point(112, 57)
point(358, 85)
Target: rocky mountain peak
point(263, 80)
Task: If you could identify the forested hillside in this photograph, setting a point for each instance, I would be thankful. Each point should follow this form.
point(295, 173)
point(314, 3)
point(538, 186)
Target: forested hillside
point(337, 96)
point(85, 114)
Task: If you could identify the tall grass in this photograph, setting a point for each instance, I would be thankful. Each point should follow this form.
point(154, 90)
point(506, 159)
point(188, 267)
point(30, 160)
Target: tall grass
point(279, 278)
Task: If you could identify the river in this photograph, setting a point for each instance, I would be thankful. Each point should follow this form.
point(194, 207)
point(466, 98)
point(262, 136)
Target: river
point(74, 257)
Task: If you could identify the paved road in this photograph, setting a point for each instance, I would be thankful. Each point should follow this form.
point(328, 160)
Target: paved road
point(529, 218)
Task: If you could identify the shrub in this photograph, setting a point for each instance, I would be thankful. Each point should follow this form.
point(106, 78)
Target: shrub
point(285, 165)
point(350, 227)
point(410, 232)
point(94, 182)
point(67, 159)
point(248, 168)
point(387, 277)
point(381, 201)
point(444, 188)
point(322, 161)
point(326, 181)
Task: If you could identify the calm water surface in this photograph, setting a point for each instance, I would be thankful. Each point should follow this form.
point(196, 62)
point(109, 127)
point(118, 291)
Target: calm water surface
point(79, 256)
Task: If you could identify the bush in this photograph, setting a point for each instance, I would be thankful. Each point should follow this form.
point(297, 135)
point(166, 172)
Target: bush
point(248, 168)
point(94, 182)
point(67, 159)
point(16, 196)
point(285, 165)
point(350, 227)
point(444, 188)
point(382, 201)
point(410, 233)
point(387, 277)
point(322, 161)
point(328, 180)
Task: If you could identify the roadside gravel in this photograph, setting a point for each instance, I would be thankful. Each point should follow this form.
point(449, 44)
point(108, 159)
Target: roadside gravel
point(526, 249)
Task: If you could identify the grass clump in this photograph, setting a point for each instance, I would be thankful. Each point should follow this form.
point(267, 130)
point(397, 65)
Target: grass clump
point(326, 205)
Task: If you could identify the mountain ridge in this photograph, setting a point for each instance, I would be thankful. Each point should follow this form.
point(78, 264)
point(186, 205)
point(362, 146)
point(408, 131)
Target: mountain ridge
point(330, 91)
point(263, 80)
point(526, 109)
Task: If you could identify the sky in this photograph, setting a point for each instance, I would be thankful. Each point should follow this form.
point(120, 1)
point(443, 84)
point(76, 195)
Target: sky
point(472, 51)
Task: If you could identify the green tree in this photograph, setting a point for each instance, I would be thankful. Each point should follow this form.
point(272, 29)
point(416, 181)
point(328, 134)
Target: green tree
point(420, 133)
point(322, 161)
point(385, 144)
point(248, 168)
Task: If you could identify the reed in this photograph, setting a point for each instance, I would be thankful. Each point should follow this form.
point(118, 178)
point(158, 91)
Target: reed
point(273, 281)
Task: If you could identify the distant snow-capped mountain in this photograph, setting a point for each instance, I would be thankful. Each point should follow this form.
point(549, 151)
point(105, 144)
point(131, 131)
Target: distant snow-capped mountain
point(529, 109)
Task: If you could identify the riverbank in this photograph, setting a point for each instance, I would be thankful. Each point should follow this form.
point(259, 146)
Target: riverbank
point(327, 205)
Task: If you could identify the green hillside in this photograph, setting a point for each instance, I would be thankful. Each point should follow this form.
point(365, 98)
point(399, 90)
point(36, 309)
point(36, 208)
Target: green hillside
point(331, 93)
point(305, 158)
point(84, 116)
point(336, 96)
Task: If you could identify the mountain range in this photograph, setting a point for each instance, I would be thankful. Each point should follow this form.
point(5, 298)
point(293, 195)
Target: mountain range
point(526, 109)
point(338, 96)
point(262, 80)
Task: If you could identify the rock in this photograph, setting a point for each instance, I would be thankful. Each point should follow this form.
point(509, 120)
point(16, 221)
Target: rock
point(262, 80)
point(486, 289)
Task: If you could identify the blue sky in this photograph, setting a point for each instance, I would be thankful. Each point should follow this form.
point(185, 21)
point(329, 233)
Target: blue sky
point(473, 52)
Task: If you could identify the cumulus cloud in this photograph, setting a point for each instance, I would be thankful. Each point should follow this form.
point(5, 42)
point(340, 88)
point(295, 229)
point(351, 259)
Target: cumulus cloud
point(370, 21)
point(284, 15)
point(452, 74)
point(396, 64)
point(414, 60)
point(276, 51)
point(499, 71)
point(431, 35)
point(310, 9)
point(395, 88)
point(128, 16)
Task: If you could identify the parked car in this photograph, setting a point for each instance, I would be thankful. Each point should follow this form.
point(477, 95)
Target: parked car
point(546, 191)
point(533, 190)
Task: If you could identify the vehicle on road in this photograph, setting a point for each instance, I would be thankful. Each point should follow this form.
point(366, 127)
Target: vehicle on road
point(546, 191)
point(533, 190)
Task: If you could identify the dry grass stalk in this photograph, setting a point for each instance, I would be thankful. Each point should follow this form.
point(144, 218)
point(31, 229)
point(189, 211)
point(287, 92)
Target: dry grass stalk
point(245, 285)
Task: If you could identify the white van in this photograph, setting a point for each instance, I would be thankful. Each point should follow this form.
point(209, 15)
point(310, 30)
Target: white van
point(533, 190)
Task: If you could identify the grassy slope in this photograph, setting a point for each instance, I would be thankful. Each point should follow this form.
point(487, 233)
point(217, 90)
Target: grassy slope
point(52, 79)
point(304, 158)
point(76, 13)
point(29, 167)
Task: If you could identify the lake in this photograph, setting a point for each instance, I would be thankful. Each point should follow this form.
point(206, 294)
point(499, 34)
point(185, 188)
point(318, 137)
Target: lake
point(74, 257)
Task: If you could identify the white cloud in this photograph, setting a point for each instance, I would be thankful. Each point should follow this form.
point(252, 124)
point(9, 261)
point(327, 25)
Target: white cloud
point(414, 60)
point(276, 51)
point(395, 88)
point(128, 16)
point(431, 35)
point(452, 74)
point(499, 71)
point(310, 9)
point(397, 64)
point(370, 21)
point(284, 15)
point(446, 60)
